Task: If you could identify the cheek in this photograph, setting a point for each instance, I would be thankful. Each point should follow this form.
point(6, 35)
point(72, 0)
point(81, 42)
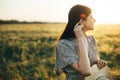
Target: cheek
point(87, 24)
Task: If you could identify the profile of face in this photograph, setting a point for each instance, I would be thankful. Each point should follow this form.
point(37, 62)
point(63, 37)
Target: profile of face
point(88, 23)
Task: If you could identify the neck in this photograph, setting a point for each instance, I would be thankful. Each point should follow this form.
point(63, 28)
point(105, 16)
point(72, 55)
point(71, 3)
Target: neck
point(84, 32)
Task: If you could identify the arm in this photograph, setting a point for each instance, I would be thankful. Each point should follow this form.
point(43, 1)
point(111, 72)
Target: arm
point(83, 65)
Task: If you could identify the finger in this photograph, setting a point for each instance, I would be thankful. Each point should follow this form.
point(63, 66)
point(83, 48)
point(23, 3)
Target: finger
point(76, 25)
point(99, 64)
point(81, 21)
point(78, 28)
point(102, 63)
point(81, 26)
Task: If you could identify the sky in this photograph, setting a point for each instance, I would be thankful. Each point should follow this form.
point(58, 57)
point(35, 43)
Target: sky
point(104, 11)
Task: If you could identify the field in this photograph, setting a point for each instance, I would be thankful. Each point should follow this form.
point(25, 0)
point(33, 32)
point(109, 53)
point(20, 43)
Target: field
point(27, 51)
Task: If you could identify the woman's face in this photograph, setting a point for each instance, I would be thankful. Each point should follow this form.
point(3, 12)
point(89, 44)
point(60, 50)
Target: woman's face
point(89, 23)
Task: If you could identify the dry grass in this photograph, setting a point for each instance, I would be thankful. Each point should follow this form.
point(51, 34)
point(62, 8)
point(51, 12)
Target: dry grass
point(107, 36)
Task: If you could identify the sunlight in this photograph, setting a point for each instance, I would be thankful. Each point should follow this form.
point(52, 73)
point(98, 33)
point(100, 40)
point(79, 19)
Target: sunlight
point(104, 11)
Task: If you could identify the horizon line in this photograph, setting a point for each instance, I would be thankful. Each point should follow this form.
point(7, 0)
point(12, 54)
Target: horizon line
point(37, 21)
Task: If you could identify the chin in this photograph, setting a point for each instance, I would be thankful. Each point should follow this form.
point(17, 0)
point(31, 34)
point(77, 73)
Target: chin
point(92, 28)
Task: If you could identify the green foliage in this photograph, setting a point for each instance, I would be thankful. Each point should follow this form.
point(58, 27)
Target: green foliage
point(27, 50)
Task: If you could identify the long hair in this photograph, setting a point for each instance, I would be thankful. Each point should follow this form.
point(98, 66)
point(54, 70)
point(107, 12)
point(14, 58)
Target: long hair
point(73, 18)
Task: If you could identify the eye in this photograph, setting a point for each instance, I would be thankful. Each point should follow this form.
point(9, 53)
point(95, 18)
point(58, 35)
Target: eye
point(91, 17)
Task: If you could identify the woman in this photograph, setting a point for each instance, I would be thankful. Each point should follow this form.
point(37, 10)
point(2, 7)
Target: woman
point(76, 51)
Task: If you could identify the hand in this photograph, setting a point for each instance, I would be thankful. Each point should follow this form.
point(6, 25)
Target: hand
point(78, 30)
point(101, 64)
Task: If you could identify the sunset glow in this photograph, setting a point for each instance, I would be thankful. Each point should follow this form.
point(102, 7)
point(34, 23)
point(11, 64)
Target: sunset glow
point(104, 11)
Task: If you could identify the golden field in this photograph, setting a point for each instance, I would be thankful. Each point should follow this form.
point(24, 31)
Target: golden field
point(27, 50)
